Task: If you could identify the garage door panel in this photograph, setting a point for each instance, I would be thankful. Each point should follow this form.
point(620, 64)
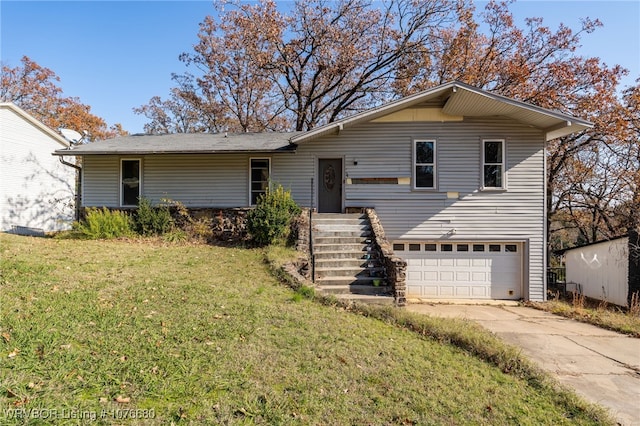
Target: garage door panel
point(480, 277)
point(465, 274)
point(446, 276)
point(463, 263)
point(463, 291)
point(479, 263)
point(414, 275)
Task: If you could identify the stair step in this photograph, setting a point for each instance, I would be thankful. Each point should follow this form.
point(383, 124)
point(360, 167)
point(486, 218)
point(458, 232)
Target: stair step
point(363, 233)
point(322, 239)
point(356, 273)
point(354, 289)
point(347, 262)
point(340, 254)
point(349, 280)
point(375, 299)
point(340, 247)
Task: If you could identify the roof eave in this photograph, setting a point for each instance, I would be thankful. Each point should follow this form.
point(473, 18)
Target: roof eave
point(80, 152)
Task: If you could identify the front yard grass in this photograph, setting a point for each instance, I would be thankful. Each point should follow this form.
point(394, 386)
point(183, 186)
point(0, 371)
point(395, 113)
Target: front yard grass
point(201, 334)
point(611, 317)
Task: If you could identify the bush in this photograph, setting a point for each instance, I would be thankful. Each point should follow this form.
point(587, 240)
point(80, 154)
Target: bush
point(271, 220)
point(105, 223)
point(149, 220)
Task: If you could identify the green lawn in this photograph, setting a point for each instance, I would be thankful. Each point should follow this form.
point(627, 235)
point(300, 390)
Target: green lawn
point(202, 334)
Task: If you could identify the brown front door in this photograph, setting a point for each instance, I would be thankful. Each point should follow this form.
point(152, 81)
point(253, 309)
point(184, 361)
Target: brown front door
point(330, 185)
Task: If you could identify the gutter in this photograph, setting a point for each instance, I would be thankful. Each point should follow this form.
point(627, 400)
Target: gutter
point(66, 163)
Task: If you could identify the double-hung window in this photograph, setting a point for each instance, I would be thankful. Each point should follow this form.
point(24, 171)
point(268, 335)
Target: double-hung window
point(424, 158)
point(259, 172)
point(130, 182)
point(493, 176)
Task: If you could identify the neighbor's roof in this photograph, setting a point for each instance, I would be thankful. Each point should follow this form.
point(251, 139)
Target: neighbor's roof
point(186, 143)
point(38, 124)
point(460, 99)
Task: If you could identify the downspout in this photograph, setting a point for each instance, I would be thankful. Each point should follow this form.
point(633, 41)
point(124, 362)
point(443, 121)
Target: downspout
point(78, 185)
point(545, 226)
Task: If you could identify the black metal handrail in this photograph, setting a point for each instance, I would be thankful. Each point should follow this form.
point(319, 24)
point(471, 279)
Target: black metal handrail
point(312, 254)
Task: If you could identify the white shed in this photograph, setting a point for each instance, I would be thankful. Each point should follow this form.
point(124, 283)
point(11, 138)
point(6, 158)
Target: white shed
point(36, 189)
point(601, 269)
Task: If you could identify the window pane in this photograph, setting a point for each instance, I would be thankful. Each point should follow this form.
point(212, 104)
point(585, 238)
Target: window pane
point(446, 247)
point(493, 176)
point(259, 174)
point(478, 247)
point(264, 163)
point(430, 247)
point(424, 176)
point(414, 247)
point(494, 247)
point(398, 247)
point(259, 178)
point(493, 152)
point(259, 186)
point(424, 152)
point(511, 248)
point(462, 247)
point(130, 182)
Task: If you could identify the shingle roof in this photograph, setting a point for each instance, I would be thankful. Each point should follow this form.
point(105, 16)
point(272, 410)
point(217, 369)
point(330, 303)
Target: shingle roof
point(187, 143)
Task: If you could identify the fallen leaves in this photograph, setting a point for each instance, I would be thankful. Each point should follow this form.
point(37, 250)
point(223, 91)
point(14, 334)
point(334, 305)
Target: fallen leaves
point(14, 353)
point(122, 400)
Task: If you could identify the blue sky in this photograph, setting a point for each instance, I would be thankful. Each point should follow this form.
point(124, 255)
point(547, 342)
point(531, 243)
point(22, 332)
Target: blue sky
point(115, 55)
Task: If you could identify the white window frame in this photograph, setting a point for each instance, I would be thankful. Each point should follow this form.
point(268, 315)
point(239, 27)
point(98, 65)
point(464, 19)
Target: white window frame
point(414, 158)
point(121, 192)
point(251, 169)
point(502, 163)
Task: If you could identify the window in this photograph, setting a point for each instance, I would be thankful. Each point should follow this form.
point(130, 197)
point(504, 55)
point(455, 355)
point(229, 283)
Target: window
point(414, 247)
point(430, 247)
point(462, 247)
point(130, 182)
point(398, 247)
point(511, 248)
point(494, 247)
point(424, 157)
point(478, 247)
point(493, 164)
point(446, 247)
point(259, 178)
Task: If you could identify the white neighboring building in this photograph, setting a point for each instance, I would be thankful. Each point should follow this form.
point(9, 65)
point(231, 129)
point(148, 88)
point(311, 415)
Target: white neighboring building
point(601, 269)
point(36, 189)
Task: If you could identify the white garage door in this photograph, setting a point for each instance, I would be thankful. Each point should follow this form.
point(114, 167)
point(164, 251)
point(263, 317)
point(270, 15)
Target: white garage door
point(462, 270)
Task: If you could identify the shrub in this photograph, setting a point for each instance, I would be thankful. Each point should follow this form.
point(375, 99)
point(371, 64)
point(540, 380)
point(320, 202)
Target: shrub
point(105, 223)
point(200, 229)
point(149, 220)
point(271, 220)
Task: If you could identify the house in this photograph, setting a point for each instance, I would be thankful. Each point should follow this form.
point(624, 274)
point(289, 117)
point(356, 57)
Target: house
point(36, 190)
point(606, 270)
point(455, 174)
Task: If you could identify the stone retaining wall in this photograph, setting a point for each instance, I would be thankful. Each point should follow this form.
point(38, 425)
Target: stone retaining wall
point(395, 267)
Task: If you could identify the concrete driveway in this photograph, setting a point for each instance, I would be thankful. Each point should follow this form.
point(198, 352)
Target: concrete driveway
point(600, 365)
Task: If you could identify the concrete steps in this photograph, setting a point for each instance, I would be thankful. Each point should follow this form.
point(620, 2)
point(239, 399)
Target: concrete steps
point(346, 263)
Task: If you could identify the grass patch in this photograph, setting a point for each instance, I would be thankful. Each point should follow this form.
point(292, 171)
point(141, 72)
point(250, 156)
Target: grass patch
point(603, 315)
point(203, 334)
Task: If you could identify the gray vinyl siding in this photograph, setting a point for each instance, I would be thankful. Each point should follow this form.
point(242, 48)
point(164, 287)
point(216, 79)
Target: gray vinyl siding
point(198, 180)
point(100, 180)
point(195, 180)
